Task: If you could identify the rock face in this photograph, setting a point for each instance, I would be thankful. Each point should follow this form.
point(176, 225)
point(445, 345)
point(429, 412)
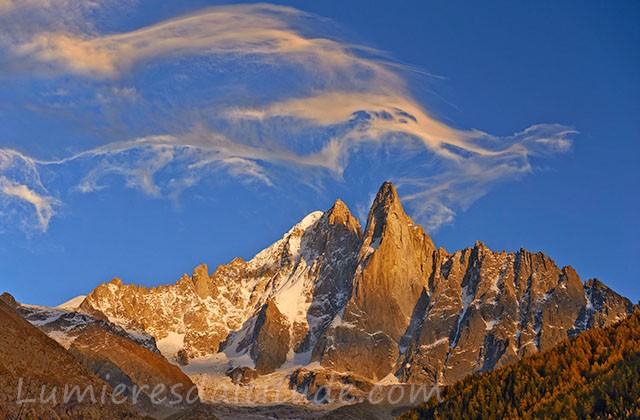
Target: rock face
point(603, 306)
point(118, 360)
point(380, 304)
point(270, 340)
point(394, 264)
point(487, 309)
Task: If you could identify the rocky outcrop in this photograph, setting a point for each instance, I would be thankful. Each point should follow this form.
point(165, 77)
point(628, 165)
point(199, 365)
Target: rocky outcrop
point(241, 375)
point(270, 341)
point(380, 304)
point(153, 386)
point(325, 386)
point(8, 299)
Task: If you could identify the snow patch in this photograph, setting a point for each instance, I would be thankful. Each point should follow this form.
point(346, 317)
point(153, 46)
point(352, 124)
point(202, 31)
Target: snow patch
point(297, 359)
point(267, 255)
point(338, 322)
point(51, 316)
point(390, 379)
point(434, 344)
point(373, 246)
point(290, 299)
point(308, 221)
point(231, 350)
point(171, 344)
point(467, 298)
point(590, 306)
point(490, 324)
point(72, 303)
point(217, 363)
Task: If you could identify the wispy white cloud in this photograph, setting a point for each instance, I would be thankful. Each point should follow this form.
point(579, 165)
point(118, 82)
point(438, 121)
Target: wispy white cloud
point(246, 169)
point(43, 205)
point(328, 102)
point(13, 6)
point(460, 183)
point(24, 191)
point(263, 31)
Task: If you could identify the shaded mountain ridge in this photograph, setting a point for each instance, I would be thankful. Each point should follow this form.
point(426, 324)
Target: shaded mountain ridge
point(35, 368)
point(90, 353)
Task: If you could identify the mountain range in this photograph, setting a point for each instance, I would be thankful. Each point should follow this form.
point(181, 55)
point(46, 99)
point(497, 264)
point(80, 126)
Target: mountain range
point(375, 306)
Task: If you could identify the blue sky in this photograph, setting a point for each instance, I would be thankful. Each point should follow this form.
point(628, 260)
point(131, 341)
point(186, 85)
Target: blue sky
point(138, 140)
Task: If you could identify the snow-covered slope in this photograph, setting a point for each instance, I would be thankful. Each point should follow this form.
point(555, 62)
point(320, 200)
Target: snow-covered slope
point(65, 325)
point(72, 304)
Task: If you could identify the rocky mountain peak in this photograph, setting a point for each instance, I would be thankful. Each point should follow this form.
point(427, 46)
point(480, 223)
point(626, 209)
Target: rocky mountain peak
point(386, 194)
point(595, 284)
point(394, 264)
point(116, 282)
point(385, 206)
point(271, 338)
point(200, 273)
point(388, 220)
point(339, 214)
point(603, 305)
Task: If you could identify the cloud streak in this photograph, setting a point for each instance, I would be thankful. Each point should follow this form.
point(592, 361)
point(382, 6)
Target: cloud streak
point(42, 204)
point(264, 31)
point(24, 192)
point(297, 104)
